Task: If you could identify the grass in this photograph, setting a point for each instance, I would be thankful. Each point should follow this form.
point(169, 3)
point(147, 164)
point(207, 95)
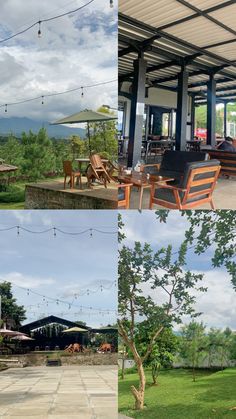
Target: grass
point(178, 397)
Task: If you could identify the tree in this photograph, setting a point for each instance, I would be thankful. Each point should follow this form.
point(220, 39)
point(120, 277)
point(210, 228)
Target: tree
point(193, 345)
point(219, 346)
point(163, 351)
point(38, 158)
point(11, 311)
point(208, 229)
point(140, 269)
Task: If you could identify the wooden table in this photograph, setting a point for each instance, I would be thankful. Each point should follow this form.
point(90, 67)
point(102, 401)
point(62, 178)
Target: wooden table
point(142, 181)
point(80, 161)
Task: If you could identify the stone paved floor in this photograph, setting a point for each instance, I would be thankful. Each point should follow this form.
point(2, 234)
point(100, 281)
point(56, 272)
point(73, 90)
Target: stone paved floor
point(83, 392)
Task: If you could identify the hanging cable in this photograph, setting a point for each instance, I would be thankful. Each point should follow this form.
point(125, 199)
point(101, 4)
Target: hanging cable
point(46, 20)
point(22, 101)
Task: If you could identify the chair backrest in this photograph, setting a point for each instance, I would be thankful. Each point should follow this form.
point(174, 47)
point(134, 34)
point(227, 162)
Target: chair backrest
point(96, 161)
point(67, 167)
point(199, 180)
point(176, 160)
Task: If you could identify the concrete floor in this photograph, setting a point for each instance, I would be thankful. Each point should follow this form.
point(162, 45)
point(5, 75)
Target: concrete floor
point(224, 196)
point(83, 392)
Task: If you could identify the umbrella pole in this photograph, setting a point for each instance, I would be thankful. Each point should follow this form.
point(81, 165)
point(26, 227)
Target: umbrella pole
point(89, 140)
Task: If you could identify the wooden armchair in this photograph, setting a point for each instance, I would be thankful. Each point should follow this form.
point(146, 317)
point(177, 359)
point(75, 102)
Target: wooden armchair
point(97, 170)
point(196, 187)
point(124, 195)
point(68, 172)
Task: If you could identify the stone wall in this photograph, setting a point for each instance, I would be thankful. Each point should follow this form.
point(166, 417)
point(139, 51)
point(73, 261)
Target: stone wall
point(39, 359)
point(43, 197)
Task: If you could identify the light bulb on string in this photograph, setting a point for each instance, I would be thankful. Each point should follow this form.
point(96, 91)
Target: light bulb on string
point(91, 232)
point(39, 31)
point(82, 92)
point(111, 4)
point(42, 100)
point(6, 107)
point(87, 292)
point(18, 230)
point(101, 287)
point(54, 232)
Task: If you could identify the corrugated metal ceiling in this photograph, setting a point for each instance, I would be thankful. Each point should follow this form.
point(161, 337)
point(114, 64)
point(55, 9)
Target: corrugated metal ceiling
point(180, 32)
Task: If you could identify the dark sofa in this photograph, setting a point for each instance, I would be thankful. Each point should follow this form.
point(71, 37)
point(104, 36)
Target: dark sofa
point(174, 162)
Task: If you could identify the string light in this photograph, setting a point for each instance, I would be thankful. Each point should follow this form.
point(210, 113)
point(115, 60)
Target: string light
point(46, 20)
point(39, 31)
point(111, 4)
point(82, 92)
point(22, 101)
point(42, 100)
point(57, 230)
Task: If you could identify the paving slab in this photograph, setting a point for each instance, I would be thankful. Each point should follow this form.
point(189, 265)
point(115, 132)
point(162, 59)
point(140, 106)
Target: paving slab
point(81, 392)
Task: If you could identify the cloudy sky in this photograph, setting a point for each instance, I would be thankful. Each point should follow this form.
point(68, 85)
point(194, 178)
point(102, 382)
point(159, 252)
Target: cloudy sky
point(76, 50)
point(62, 266)
point(218, 304)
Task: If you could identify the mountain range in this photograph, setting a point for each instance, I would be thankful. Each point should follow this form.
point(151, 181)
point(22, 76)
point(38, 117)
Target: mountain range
point(16, 126)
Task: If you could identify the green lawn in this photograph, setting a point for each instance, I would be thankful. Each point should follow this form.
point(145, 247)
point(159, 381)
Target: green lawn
point(178, 397)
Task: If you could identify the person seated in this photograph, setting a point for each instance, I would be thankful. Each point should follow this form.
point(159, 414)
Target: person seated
point(227, 145)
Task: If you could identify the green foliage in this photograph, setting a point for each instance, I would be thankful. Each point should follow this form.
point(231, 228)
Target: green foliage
point(208, 229)
point(38, 158)
point(193, 346)
point(201, 117)
point(12, 193)
point(11, 311)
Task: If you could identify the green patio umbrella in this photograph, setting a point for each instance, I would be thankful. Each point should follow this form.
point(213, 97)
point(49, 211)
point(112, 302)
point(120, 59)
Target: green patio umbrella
point(86, 116)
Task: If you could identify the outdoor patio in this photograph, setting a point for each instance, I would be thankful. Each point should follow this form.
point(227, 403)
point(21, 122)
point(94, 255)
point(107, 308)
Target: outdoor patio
point(52, 195)
point(167, 69)
point(84, 392)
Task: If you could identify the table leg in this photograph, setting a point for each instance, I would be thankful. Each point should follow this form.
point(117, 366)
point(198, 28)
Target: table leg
point(140, 198)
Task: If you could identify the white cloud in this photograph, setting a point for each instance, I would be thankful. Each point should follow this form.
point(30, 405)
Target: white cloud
point(26, 281)
point(76, 50)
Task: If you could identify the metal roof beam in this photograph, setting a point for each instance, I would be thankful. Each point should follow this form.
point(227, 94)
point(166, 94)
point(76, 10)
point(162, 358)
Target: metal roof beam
point(207, 16)
point(197, 14)
point(175, 39)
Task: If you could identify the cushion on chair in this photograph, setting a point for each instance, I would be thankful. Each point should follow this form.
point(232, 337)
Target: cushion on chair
point(121, 194)
point(175, 161)
point(165, 195)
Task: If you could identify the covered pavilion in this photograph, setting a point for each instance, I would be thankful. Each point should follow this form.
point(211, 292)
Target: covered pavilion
point(174, 55)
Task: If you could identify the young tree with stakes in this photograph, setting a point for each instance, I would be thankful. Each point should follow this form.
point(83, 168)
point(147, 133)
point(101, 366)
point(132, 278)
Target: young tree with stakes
point(156, 287)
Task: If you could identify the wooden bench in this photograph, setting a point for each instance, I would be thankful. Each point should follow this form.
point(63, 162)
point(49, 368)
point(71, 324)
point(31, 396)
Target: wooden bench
point(53, 363)
point(227, 161)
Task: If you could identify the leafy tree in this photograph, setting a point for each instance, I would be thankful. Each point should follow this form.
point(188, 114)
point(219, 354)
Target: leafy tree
point(141, 268)
point(104, 137)
point(208, 229)
point(163, 351)
point(11, 311)
point(193, 345)
point(219, 346)
point(38, 158)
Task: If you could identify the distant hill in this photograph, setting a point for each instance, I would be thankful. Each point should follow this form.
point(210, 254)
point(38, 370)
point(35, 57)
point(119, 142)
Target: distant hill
point(17, 125)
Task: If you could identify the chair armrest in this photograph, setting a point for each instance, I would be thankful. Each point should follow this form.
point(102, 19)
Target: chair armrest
point(174, 188)
point(157, 165)
point(124, 185)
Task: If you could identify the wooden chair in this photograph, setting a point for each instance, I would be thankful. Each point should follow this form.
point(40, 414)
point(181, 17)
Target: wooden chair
point(68, 172)
point(124, 195)
point(97, 170)
point(196, 187)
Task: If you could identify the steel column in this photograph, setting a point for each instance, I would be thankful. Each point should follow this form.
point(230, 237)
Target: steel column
point(211, 111)
point(137, 112)
point(192, 118)
point(225, 119)
point(182, 110)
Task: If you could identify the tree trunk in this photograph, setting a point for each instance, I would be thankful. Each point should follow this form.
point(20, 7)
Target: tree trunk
point(139, 393)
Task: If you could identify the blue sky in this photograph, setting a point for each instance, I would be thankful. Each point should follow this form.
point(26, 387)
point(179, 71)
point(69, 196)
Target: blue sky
point(75, 50)
point(218, 304)
point(62, 266)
